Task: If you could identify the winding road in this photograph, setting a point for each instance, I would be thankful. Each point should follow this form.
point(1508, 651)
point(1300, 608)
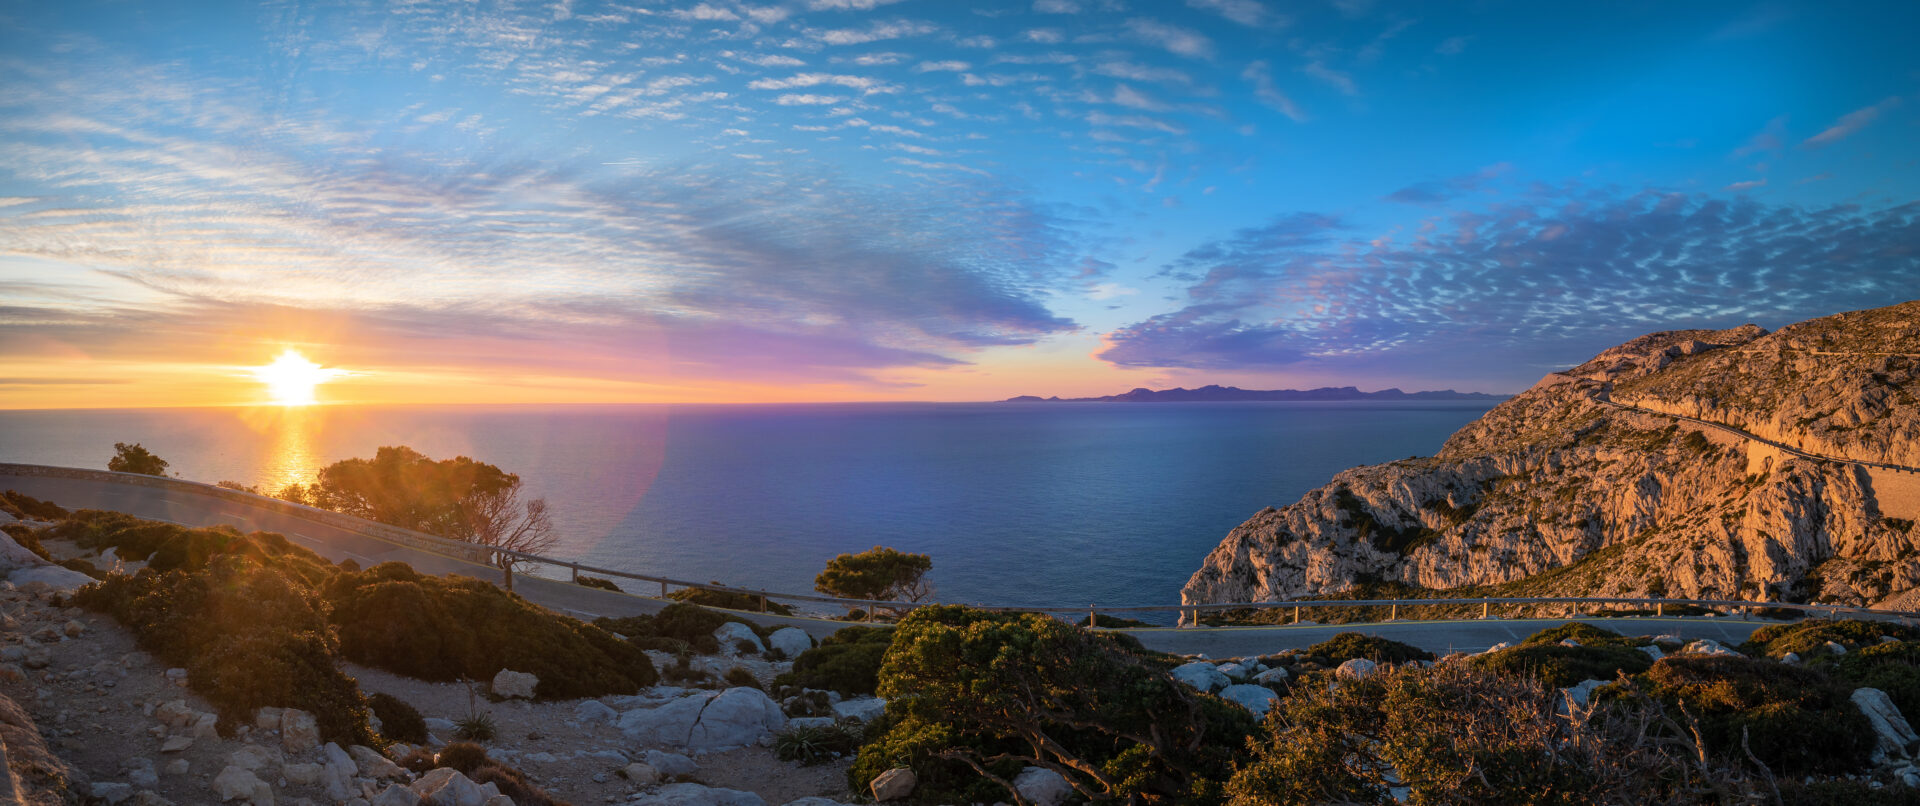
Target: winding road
point(199, 505)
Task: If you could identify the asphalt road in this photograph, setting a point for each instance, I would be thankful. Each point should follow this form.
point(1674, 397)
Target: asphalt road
point(337, 544)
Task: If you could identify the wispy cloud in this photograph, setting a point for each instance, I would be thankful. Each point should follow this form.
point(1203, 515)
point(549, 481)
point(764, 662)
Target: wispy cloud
point(1268, 93)
point(1250, 13)
point(1849, 123)
point(1172, 38)
point(1335, 78)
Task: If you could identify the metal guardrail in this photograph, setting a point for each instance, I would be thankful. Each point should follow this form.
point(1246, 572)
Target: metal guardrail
point(1188, 613)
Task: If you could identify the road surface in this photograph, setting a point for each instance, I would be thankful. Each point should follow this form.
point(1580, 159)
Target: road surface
point(338, 544)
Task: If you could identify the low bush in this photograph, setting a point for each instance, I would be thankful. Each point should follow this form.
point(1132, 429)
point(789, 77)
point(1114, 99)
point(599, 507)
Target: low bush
point(249, 636)
point(729, 601)
point(1893, 668)
point(399, 721)
point(472, 761)
point(1114, 622)
point(847, 661)
point(1349, 645)
point(1796, 719)
point(1581, 633)
point(1809, 638)
point(812, 745)
point(1563, 666)
point(28, 508)
point(392, 618)
point(660, 644)
point(464, 757)
point(1455, 734)
point(970, 690)
point(83, 566)
point(596, 582)
point(739, 677)
point(27, 538)
point(475, 727)
point(169, 547)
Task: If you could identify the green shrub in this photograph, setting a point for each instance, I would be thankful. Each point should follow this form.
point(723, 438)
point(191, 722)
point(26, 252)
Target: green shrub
point(1563, 666)
point(1583, 633)
point(462, 756)
point(28, 508)
point(660, 644)
point(475, 727)
point(729, 601)
point(967, 687)
point(1796, 719)
point(739, 677)
point(84, 567)
point(392, 618)
point(812, 745)
point(1809, 638)
point(169, 547)
point(399, 721)
point(1349, 645)
point(596, 582)
point(691, 623)
point(28, 539)
point(1893, 668)
point(847, 661)
point(249, 636)
point(629, 626)
point(514, 784)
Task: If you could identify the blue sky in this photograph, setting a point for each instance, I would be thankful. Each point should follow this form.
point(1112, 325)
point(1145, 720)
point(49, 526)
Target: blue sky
point(860, 199)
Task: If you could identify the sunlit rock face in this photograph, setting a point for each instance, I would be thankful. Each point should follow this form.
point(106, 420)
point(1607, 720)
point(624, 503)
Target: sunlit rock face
point(1630, 501)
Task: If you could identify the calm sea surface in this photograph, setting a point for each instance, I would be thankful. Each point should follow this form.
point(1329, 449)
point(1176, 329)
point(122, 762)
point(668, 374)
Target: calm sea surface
point(1027, 504)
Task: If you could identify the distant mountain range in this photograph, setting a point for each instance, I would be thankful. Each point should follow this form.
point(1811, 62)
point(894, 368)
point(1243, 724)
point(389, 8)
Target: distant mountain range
point(1213, 393)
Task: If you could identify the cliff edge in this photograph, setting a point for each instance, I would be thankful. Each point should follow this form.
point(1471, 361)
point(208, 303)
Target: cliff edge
point(1688, 464)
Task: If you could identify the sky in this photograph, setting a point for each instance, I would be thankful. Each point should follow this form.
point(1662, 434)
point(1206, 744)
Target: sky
point(572, 201)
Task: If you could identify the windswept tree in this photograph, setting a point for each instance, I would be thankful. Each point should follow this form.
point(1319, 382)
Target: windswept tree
point(135, 459)
point(458, 498)
point(880, 574)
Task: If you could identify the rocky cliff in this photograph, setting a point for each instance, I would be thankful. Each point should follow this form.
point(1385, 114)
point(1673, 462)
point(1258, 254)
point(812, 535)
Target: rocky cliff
point(1687, 464)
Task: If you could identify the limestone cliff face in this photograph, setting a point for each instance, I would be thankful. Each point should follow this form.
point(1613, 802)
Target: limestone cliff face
point(1587, 484)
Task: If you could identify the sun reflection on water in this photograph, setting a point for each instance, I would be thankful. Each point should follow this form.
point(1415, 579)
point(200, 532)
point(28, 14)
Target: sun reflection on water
point(289, 452)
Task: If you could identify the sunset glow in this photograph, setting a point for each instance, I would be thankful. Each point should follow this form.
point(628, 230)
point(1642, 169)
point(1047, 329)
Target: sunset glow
point(291, 379)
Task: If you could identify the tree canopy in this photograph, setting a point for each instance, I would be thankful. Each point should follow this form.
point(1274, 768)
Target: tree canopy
point(879, 573)
point(135, 459)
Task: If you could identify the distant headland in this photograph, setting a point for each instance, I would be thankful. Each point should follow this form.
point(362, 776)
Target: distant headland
point(1216, 393)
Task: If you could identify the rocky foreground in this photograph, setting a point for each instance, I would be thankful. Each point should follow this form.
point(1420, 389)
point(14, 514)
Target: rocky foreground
point(1595, 482)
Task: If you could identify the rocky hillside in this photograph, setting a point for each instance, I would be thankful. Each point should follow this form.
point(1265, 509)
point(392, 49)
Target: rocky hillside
point(1589, 484)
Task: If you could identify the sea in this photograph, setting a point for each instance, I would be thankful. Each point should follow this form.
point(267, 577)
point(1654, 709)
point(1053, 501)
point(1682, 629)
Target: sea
point(1028, 504)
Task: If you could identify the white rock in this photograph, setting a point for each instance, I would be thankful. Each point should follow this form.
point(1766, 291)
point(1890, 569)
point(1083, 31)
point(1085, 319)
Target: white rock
point(395, 795)
point(1497, 647)
point(53, 577)
point(440, 725)
point(865, 709)
point(1201, 675)
point(1041, 786)
point(375, 766)
point(1569, 642)
point(298, 731)
point(512, 684)
point(733, 632)
point(236, 783)
point(1836, 648)
point(112, 792)
point(1233, 671)
point(1277, 674)
point(1257, 699)
point(705, 721)
point(252, 757)
point(641, 773)
point(1355, 669)
point(1652, 651)
point(594, 712)
point(1892, 733)
point(790, 640)
point(142, 775)
point(894, 784)
point(669, 764)
point(697, 795)
point(1580, 693)
point(303, 774)
point(1790, 657)
point(447, 787)
point(267, 718)
point(1707, 646)
point(205, 726)
point(175, 744)
point(174, 714)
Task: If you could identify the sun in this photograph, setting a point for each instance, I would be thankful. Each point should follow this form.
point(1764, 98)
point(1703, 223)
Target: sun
point(291, 377)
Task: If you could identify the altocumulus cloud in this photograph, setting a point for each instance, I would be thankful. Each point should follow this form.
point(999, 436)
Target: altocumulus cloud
point(1548, 280)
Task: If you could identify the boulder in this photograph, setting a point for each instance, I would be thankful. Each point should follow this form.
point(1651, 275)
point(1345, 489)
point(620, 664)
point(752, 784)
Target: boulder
point(298, 732)
point(1894, 738)
point(1042, 787)
point(395, 795)
point(1790, 658)
point(375, 766)
point(1707, 646)
point(303, 774)
point(894, 784)
point(594, 712)
point(1355, 669)
point(1652, 651)
point(669, 764)
point(733, 632)
point(52, 577)
point(1277, 674)
point(707, 721)
point(1201, 675)
point(176, 744)
point(174, 714)
point(1253, 698)
point(1578, 694)
point(1836, 648)
point(791, 641)
point(447, 787)
point(512, 684)
point(864, 709)
point(696, 795)
point(252, 757)
point(266, 718)
point(641, 773)
point(238, 783)
point(1234, 671)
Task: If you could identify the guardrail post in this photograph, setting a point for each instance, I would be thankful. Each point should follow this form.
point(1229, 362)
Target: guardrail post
point(1296, 614)
point(663, 590)
point(576, 574)
point(763, 603)
point(1486, 609)
point(1093, 618)
point(1393, 612)
point(1660, 609)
